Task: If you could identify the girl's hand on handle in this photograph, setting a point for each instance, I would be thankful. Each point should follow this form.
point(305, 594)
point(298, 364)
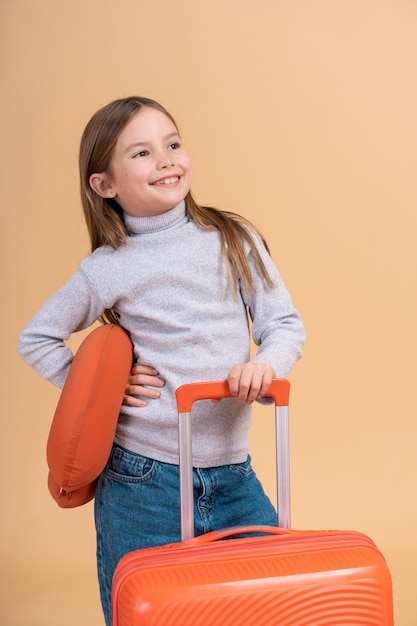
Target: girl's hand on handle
point(136, 392)
point(250, 381)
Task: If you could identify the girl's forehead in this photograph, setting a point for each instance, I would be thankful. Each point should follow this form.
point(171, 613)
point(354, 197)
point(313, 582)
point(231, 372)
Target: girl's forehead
point(148, 122)
point(147, 127)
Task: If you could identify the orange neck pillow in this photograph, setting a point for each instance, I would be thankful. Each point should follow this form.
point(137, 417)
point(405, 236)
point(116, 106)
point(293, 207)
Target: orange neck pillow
point(85, 420)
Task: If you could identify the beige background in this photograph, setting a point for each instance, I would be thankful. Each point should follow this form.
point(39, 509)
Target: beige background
point(302, 116)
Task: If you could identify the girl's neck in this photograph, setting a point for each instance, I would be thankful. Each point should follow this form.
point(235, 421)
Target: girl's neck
point(153, 223)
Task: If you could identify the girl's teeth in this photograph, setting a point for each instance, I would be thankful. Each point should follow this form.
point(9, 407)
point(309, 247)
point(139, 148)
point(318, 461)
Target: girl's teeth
point(168, 181)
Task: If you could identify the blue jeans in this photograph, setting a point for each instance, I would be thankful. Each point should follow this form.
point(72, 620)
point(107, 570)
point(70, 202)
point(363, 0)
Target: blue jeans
point(137, 506)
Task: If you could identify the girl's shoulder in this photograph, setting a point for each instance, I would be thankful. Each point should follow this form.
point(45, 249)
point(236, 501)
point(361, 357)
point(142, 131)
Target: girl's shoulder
point(104, 261)
point(106, 252)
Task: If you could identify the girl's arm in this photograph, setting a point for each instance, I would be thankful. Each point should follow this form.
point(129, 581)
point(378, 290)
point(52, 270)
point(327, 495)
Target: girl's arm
point(277, 330)
point(75, 307)
point(42, 342)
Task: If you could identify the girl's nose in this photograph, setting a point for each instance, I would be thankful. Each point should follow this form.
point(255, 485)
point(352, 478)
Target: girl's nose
point(166, 161)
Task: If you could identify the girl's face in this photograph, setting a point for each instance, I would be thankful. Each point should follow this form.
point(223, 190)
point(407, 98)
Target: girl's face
point(150, 169)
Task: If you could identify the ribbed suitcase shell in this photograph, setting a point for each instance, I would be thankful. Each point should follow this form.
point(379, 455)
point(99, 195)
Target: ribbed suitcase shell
point(294, 579)
point(283, 578)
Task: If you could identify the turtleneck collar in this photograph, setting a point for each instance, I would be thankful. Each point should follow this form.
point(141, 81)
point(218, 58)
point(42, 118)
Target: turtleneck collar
point(153, 223)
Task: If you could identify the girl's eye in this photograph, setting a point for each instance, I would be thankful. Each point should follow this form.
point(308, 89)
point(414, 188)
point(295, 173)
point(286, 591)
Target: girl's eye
point(140, 154)
point(175, 145)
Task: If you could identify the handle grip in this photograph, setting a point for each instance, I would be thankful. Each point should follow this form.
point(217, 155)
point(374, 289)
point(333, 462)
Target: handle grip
point(186, 395)
point(216, 535)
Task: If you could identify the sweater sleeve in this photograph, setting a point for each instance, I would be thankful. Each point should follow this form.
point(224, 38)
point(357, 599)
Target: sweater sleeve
point(277, 328)
point(41, 344)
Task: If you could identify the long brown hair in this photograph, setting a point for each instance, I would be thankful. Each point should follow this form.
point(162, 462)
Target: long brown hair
point(104, 216)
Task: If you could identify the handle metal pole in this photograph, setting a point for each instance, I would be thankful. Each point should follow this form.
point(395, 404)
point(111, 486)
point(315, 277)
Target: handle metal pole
point(283, 466)
point(186, 476)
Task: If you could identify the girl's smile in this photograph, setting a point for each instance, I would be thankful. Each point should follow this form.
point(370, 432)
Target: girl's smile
point(171, 180)
point(150, 169)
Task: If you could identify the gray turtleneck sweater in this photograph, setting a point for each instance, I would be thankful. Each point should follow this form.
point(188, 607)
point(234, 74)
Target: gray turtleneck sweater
point(171, 288)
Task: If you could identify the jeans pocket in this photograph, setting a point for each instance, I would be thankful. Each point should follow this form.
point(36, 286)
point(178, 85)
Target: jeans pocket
point(242, 469)
point(126, 466)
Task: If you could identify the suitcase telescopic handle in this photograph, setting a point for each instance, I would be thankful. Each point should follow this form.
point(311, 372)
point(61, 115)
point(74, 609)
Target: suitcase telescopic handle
point(186, 395)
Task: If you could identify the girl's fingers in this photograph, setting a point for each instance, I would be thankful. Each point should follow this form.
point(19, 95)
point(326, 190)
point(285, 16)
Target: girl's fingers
point(249, 381)
point(141, 385)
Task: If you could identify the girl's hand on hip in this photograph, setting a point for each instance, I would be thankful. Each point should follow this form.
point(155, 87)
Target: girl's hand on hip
point(139, 385)
point(250, 381)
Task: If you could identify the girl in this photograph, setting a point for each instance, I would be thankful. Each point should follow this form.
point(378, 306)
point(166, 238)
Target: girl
point(182, 280)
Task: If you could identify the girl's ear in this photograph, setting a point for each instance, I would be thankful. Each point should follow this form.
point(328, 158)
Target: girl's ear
point(101, 184)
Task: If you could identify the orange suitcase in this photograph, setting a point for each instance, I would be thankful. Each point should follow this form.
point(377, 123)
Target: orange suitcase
point(281, 577)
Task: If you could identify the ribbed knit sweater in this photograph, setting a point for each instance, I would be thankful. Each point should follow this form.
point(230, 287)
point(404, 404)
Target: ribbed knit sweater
point(171, 288)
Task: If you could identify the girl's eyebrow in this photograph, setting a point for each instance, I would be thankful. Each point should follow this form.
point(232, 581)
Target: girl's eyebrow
point(138, 144)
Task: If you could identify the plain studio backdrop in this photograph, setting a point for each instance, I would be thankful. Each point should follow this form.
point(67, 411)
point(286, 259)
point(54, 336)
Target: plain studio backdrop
point(301, 116)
